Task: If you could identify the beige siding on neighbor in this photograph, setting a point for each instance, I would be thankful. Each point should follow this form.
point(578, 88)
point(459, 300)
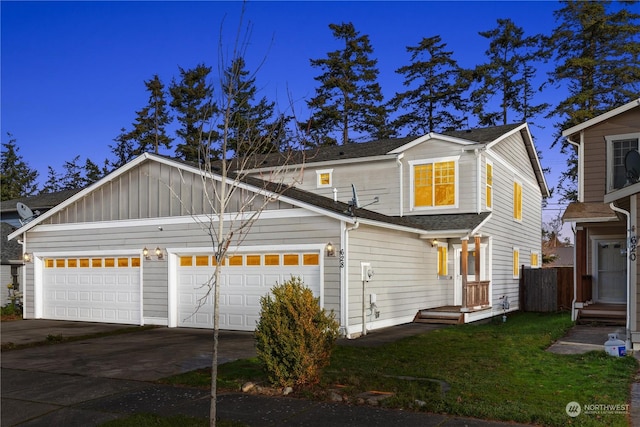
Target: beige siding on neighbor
point(595, 151)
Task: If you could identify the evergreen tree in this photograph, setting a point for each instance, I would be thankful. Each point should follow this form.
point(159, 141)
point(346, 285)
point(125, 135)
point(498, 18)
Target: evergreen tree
point(52, 185)
point(17, 179)
point(251, 126)
point(93, 173)
point(73, 176)
point(192, 99)
point(349, 98)
point(436, 90)
point(596, 51)
point(149, 128)
point(123, 149)
point(508, 74)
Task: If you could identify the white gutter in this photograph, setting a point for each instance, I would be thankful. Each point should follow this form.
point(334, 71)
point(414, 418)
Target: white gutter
point(400, 172)
point(344, 297)
point(574, 314)
point(628, 260)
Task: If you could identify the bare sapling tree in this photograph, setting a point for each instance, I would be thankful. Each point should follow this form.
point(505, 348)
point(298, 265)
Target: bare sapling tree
point(234, 193)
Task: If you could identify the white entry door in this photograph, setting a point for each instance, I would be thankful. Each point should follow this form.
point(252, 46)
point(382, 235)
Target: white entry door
point(245, 279)
point(611, 268)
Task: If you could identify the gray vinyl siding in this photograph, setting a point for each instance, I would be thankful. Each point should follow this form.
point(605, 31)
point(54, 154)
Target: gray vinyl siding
point(467, 180)
point(405, 274)
point(290, 231)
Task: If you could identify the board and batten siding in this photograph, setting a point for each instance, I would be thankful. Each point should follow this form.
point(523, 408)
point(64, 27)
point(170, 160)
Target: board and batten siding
point(151, 190)
point(595, 151)
point(188, 234)
point(405, 276)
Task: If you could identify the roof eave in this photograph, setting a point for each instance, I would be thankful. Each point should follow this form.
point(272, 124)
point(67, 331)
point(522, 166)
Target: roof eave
point(602, 117)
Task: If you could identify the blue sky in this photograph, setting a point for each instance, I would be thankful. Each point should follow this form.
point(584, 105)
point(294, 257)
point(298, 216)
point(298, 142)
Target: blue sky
point(72, 73)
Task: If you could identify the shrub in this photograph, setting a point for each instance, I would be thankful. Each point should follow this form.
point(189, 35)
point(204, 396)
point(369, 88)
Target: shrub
point(294, 337)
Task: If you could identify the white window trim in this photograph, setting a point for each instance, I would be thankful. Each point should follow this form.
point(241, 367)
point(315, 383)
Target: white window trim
point(513, 252)
point(486, 168)
point(319, 173)
point(539, 258)
point(413, 163)
point(518, 181)
point(610, 139)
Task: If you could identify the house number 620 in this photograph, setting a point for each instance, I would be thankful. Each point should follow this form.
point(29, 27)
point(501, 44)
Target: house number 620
point(633, 242)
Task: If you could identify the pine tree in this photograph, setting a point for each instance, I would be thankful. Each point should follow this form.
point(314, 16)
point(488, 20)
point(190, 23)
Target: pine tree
point(436, 90)
point(123, 149)
point(149, 128)
point(508, 75)
point(93, 173)
point(192, 99)
point(52, 184)
point(349, 100)
point(252, 128)
point(17, 179)
point(596, 51)
point(73, 176)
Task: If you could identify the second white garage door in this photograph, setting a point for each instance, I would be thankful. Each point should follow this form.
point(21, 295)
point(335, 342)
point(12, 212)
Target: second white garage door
point(245, 279)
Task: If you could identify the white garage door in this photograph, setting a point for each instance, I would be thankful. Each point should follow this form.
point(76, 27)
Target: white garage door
point(245, 279)
point(92, 289)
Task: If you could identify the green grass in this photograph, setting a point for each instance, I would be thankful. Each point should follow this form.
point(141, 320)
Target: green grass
point(497, 371)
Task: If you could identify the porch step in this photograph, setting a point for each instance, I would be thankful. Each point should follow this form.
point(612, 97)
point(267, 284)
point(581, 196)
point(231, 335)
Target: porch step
point(439, 317)
point(610, 316)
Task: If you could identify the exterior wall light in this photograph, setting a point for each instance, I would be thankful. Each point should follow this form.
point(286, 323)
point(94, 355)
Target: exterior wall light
point(27, 257)
point(145, 253)
point(330, 249)
point(159, 253)
point(434, 243)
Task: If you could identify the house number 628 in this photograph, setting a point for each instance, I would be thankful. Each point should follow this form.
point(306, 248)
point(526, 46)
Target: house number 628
point(341, 258)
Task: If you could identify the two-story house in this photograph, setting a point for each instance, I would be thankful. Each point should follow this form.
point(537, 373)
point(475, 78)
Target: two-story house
point(439, 227)
point(606, 219)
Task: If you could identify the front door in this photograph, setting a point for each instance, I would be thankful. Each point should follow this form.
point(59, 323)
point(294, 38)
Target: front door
point(611, 268)
point(471, 268)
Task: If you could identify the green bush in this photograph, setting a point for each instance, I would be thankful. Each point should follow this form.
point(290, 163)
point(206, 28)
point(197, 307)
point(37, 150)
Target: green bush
point(294, 337)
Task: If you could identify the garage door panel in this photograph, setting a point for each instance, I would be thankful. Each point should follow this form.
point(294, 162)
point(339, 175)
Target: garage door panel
point(241, 288)
point(96, 294)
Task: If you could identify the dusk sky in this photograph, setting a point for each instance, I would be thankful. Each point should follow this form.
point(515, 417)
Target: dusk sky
point(73, 73)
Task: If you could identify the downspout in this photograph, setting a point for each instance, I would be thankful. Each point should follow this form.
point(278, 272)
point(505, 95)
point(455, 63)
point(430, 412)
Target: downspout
point(628, 215)
point(344, 300)
point(23, 288)
point(574, 314)
point(400, 172)
point(478, 179)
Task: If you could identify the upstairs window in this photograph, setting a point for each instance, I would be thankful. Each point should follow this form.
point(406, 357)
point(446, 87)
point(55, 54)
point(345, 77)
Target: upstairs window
point(489, 185)
point(617, 148)
point(324, 178)
point(517, 201)
point(434, 183)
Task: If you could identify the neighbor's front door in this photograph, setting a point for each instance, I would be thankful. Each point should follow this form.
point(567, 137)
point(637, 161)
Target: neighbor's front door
point(611, 280)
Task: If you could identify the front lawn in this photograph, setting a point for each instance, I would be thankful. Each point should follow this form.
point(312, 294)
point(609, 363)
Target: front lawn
point(497, 371)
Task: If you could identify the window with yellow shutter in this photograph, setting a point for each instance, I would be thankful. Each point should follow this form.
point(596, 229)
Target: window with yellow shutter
point(324, 178)
point(442, 260)
point(489, 186)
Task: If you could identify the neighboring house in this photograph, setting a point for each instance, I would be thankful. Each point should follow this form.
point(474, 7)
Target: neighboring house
point(606, 217)
point(11, 251)
point(374, 267)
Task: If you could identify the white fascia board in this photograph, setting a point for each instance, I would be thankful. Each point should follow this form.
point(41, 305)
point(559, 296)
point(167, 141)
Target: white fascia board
point(445, 234)
point(508, 134)
point(324, 163)
point(430, 136)
point(390, 226)
point(602, 117)
point(622, 193)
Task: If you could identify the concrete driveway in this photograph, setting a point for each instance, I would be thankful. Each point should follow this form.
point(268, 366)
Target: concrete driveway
point(143, 355)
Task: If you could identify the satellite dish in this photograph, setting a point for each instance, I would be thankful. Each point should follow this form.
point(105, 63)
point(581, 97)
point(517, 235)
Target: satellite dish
point(26, 214)
point(354, 202)
point(632, 166)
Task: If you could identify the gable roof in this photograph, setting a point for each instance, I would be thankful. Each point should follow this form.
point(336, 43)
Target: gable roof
point(602, 117)
point(292, 195)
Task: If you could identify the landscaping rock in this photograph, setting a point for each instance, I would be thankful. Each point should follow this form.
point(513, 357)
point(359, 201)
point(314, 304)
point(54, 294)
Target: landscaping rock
point(247, 387)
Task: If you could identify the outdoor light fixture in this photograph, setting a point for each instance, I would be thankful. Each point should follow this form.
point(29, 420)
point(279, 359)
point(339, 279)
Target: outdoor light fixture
point(434, 243)
point(27, 257)
point(159, 253)
point(331, 250)
point(145, 253)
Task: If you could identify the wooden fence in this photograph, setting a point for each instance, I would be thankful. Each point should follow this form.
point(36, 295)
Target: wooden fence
point(546, 289)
